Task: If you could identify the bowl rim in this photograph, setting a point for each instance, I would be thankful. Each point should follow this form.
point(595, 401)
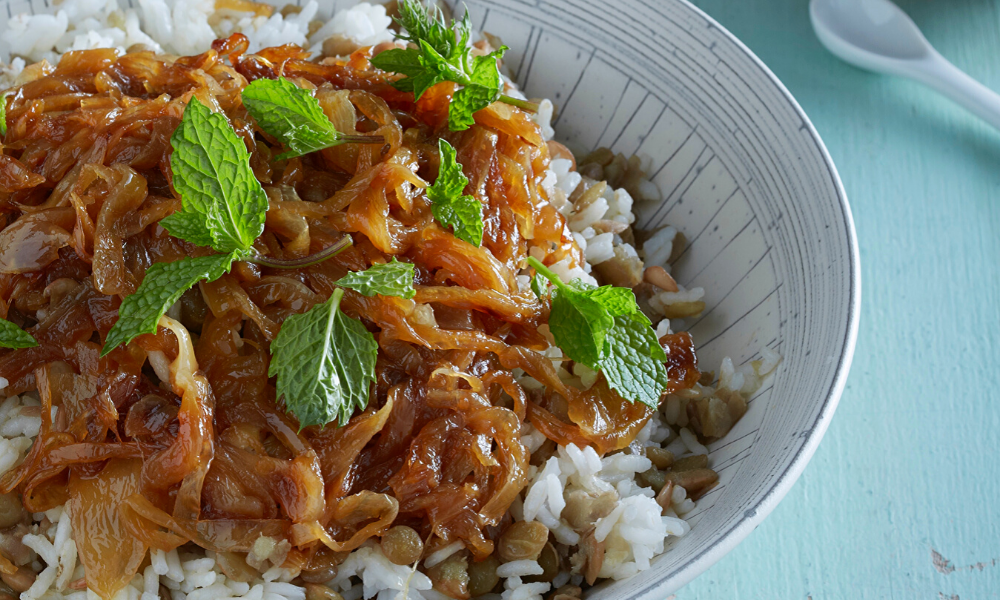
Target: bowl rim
point(754, 515)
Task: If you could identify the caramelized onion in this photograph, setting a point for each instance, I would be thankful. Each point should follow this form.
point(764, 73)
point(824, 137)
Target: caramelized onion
point(110, 555)
point(33, 241)
point(129, 191)
point(179, 436)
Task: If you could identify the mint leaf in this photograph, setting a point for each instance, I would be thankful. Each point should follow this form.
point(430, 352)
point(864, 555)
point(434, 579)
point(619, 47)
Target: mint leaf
point(324, 362)
point(632, 360)
point(420, 23)
point(12, 336)
point(390, 279)
point(402, 61)
point(539, 285)
point(579, 324)
point(3, 118)
point(163, 285)
point(211, 172)
point(188, 226)
point(437, 69)
point(452, 208)
point(603, 329)
point(442, 53)
point(482, 90)
point(583, 314)
point(616, 300)
point(291, 114)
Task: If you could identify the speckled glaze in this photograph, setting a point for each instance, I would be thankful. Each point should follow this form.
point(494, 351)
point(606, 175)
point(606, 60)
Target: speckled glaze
point(745, 176)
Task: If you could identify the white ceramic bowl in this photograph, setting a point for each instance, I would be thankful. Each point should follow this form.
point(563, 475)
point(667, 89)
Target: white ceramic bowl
point(744, 174)
point(748, 180)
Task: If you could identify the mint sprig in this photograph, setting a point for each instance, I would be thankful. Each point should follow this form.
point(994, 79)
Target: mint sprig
point(324, 362)
point(12, 336)
point(462, 212)
point(293, 116)
point(602, 328)
point(539, 286)
point(419, 23)
point(163, 285)
point(389, 279)
point(440, 53)
point(633, 360)
point(223, 204)
point(481, 86)
point(3, 112)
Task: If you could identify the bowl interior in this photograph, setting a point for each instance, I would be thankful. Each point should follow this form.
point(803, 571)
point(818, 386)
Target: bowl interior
point(746, 178)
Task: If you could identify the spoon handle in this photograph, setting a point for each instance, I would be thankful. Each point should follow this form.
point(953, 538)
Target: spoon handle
point(954, 83)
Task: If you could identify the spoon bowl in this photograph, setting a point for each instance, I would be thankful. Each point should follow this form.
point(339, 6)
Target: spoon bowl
point(868, 31)
point(878, 36)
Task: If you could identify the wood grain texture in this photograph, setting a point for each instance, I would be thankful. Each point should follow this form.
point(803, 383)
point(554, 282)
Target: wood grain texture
point(904, 488)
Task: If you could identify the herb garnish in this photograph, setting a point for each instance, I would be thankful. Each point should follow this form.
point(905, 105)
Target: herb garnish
point(390, 279)
point(462, 212)
point(442, 53)
point(222, 207)
point(539, 286)
point(602, 328)
point(223, 204)
point(324, 362)
point(294, 116)
point(3, 112)
point(163, 285)
point(12, 336)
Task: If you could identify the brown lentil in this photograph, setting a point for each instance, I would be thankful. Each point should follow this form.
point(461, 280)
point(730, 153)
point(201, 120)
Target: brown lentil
point(522, 541)
point(20, 580)
point(695, 480)
point(665, 497)
point(549, 561)
point(483, 576)
point(402, 545)
point(698, 461)
point(316, 591)
point(660, 457)
point(451, 577)
point(11, 510)
point(659, 277)
point(653, 478)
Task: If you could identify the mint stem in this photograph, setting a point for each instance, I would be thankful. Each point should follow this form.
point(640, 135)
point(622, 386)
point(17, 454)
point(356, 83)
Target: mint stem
point(360, 139)
point(298, 263)
point(544, 271)
point(531, 107)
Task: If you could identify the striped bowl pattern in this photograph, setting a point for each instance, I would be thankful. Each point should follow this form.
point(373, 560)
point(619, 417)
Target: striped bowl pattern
point(746, 177)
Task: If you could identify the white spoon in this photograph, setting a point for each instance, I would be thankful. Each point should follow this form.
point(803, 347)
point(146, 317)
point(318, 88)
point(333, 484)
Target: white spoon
point(878, 36)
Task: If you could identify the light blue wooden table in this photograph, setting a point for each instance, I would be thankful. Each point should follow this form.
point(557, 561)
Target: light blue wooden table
point(902, 499)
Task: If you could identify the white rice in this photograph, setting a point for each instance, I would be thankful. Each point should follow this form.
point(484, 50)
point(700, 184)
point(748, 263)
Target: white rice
point(657, 249)
point(515, 589)
point(177, 26)
point(378, 575)
point(519, 568)
point(438, 557)
point(633, 532)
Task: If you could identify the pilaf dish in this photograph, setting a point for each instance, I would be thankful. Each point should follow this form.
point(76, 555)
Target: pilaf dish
point(303, 306)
